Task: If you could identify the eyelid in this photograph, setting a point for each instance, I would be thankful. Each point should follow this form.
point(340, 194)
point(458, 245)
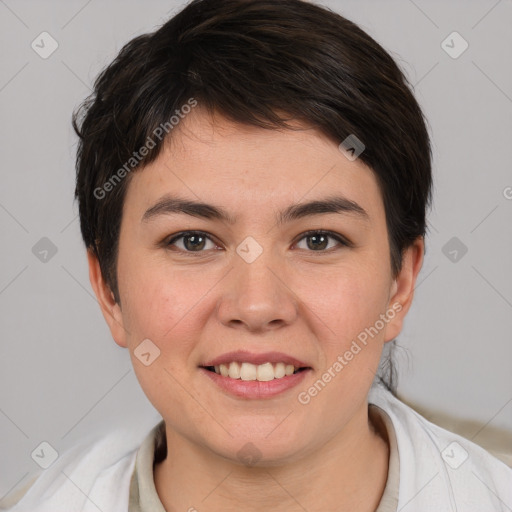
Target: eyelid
point(168, 241)
point(342, 240)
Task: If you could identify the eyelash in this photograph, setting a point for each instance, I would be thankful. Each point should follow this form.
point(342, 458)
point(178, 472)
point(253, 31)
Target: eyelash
point(341, 240)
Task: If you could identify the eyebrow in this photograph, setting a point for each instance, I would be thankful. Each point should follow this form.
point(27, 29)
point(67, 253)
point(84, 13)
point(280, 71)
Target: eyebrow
point(168, 204)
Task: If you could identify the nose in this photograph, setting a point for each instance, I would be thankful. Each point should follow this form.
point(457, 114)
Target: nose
point(256, 296)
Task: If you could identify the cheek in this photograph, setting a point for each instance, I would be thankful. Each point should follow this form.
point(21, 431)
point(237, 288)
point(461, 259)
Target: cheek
point(163, 308)
point(169, 312)
point(346, 308)
point(154, 295)
point(347, 301)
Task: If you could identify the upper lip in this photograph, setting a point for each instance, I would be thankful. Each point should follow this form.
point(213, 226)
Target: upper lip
point(243, 356)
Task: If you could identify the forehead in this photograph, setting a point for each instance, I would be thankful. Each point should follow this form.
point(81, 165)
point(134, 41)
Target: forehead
point(210, 158)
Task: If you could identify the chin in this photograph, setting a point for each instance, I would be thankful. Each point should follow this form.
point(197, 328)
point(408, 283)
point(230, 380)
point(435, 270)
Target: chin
point(260, 450)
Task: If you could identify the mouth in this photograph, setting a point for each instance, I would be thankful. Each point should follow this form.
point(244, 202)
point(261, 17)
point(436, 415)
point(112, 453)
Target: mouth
point(250, 375)
point(248, 366)
point(249, 372)
point(250, 382)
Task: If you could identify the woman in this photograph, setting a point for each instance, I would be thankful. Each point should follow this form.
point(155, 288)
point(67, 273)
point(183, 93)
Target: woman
point(253, 180)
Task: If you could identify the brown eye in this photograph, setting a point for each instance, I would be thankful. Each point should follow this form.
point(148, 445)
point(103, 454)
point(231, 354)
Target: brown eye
point(191, 241)
point(318, 241)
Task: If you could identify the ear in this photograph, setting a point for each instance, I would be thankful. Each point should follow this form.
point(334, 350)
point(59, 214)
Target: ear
point(402, 290)
point(109, 307)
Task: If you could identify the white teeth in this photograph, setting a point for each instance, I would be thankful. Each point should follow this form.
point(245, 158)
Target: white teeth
point(279, 371)
point(234, 370)
point(248, 371)
point(289, 369)
point(265, 372)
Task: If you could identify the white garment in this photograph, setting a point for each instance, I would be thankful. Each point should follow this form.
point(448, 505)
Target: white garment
point(439, 471)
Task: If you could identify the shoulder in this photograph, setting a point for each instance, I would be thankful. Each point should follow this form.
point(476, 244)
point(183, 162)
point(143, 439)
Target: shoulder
point(92, 475)
point(439, 468)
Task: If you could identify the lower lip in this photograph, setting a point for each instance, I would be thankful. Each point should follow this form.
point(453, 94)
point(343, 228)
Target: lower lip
point(254, 389)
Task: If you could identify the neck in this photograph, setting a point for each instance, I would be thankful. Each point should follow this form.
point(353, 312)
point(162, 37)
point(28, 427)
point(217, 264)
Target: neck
point(347, 473)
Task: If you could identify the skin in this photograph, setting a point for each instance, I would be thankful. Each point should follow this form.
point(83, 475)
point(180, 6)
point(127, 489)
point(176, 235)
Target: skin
point(295, 298)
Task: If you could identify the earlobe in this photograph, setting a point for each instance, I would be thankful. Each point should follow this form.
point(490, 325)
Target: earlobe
point(402, 290)
point(109, 307)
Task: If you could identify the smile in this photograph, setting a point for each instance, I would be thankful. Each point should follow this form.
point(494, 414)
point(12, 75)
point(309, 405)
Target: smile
point(247, 371)
point(252, 388)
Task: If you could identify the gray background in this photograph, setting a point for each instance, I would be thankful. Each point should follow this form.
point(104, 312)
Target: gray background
point(61, 375)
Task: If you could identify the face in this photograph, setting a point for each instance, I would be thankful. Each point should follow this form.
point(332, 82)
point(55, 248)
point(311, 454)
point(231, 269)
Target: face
point(268, 277)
